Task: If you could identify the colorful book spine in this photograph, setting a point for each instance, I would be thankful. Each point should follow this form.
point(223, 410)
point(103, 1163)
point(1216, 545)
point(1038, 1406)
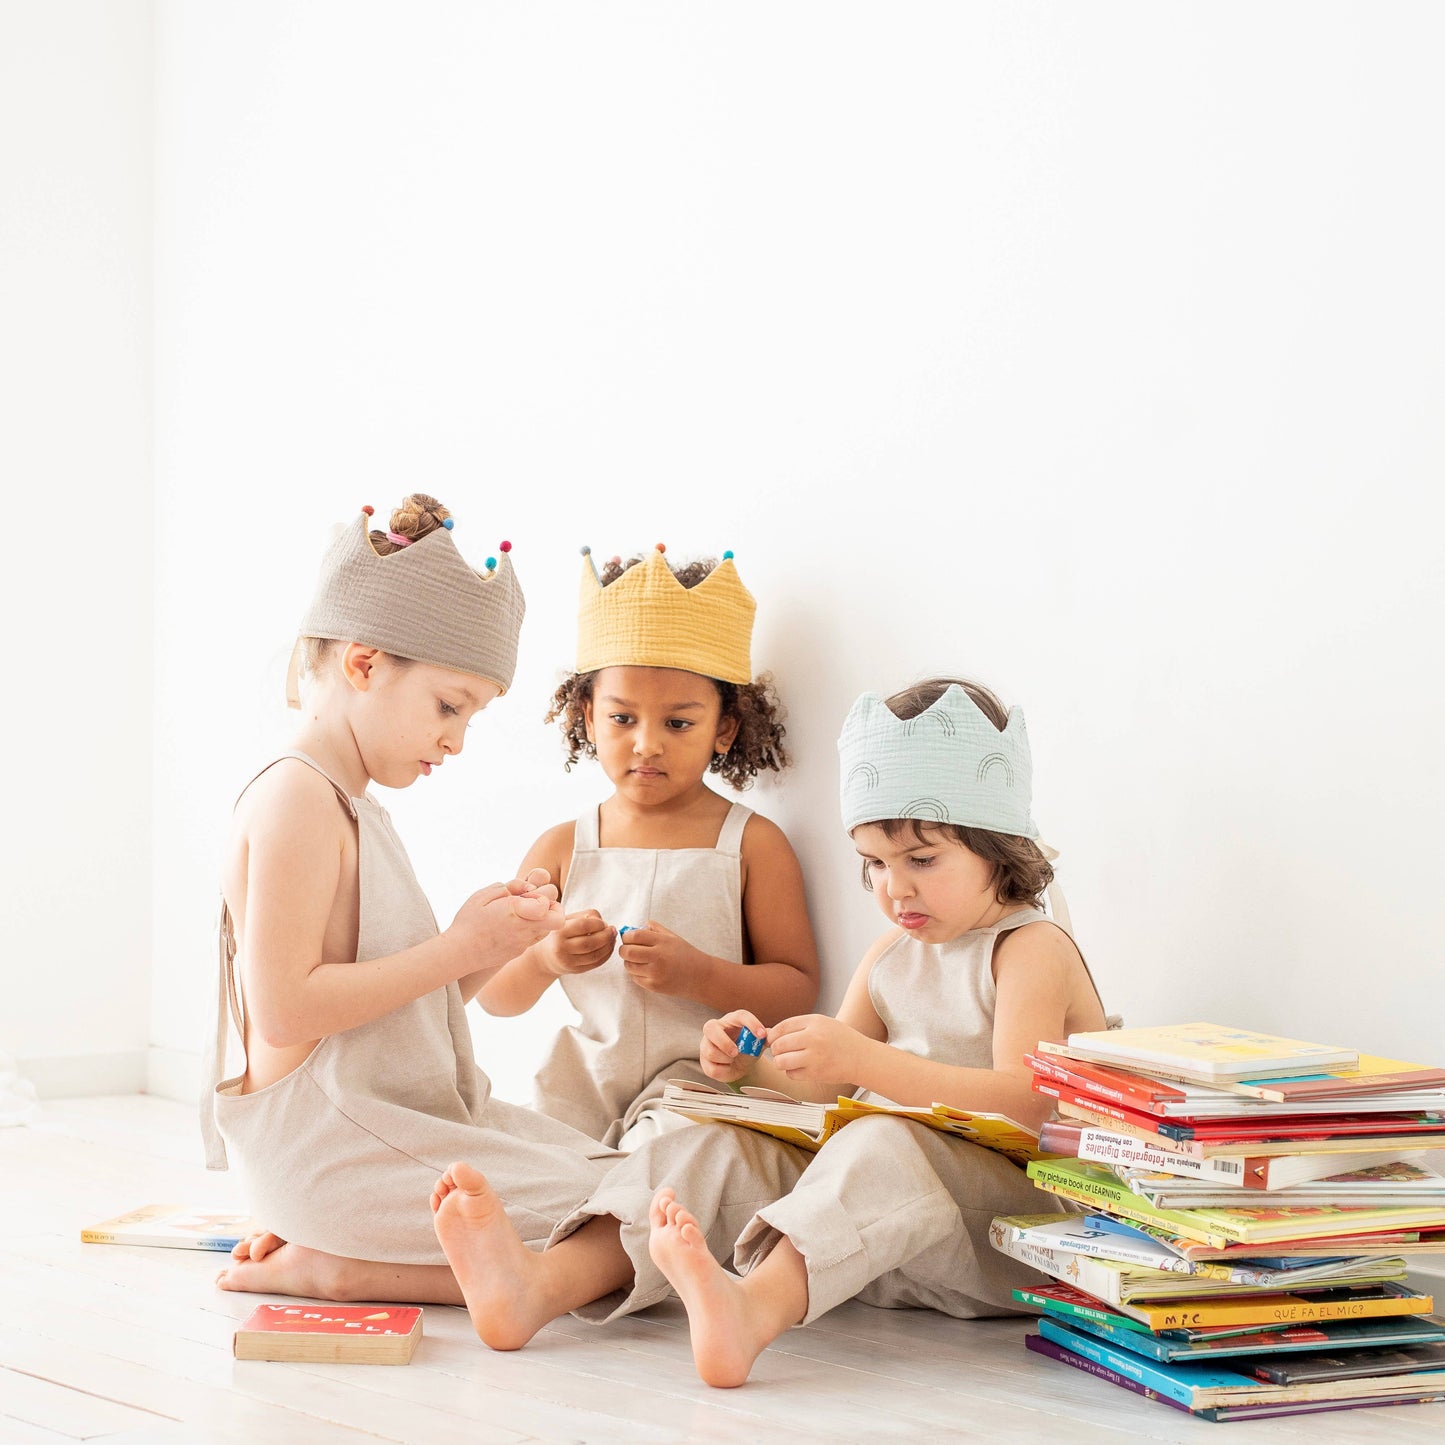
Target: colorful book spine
point(1064, 1300)
point(1126, 1090)
point(1040, 1345)
point(1105, 1146)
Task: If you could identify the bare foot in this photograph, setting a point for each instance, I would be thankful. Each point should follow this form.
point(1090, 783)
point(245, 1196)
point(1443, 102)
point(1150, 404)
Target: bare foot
point(256, 1246)
point(500, 1277)
point(727, 1335)
point(271, 1266)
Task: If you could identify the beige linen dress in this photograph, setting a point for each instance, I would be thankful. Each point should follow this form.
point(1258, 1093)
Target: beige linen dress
point(341, 1154)
point(605, 1074)
point(888, 1211)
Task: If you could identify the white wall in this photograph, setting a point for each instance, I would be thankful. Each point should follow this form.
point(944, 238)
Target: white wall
point(1093, 353)
point(75, 586)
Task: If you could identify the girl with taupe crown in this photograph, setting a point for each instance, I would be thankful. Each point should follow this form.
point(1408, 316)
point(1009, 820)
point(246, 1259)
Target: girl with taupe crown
point(679, 903)
point(357, 1082)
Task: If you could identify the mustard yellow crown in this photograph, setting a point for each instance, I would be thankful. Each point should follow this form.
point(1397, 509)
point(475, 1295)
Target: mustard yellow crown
point(647, 618)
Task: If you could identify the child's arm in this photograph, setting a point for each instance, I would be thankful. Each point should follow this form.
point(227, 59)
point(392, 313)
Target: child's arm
point(1041, 989)
point(782, 979)
point(585, 941)
point(295, 840)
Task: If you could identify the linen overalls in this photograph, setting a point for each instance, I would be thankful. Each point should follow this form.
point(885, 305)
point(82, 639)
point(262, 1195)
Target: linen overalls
point(341, 1154)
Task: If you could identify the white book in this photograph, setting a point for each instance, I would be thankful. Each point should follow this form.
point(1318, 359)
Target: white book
point(1208, 1051)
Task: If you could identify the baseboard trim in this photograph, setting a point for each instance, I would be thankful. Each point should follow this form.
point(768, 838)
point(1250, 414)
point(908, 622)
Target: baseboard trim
point(173, 1074)
point(75, 1076)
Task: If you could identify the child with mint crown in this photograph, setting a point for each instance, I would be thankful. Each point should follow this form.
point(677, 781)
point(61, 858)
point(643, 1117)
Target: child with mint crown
point(969, 975)
point(356, 1081)
point(679, 903)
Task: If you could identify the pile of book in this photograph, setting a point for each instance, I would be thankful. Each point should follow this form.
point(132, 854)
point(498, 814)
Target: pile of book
point(1247, 1205)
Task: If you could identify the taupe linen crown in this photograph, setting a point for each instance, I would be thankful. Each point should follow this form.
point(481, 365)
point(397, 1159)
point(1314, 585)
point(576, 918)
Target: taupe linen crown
point(422, 602)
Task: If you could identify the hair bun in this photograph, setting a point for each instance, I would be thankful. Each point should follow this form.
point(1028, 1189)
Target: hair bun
point(418, 516)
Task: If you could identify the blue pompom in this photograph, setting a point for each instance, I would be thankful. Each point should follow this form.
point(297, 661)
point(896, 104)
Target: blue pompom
point(449, 523)
point(491, 564)
point(727, 556)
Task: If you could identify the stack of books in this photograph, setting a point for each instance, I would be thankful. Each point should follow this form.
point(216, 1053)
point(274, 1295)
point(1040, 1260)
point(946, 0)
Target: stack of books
point(1247, 1204)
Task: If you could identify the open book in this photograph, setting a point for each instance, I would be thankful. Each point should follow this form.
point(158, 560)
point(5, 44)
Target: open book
point(811, 1125)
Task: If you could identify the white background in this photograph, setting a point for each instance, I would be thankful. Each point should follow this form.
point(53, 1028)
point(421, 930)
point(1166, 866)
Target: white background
point(1090, 351)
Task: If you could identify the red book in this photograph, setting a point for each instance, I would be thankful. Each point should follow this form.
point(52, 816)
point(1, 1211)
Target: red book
point(1133, 1091)
point(330, 1334)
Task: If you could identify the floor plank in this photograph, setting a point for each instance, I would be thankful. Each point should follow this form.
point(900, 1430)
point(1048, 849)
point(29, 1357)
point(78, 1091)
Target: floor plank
point(132, 1346)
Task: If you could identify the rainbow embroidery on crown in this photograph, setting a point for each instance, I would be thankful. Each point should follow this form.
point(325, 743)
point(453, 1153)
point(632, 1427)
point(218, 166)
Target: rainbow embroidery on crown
point(647, 618)
point(949, 764)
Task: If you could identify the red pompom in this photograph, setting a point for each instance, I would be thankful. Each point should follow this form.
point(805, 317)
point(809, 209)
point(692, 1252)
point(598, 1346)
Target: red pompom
point(370, 511)
point(662, 546)
point(505, 546)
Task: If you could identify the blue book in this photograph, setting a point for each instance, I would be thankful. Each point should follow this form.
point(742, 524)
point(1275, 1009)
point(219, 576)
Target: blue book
point(1193, 1385)
point(1294, 1339)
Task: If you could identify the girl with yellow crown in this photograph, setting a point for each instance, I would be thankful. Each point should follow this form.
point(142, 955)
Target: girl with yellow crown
point(356, 1081)
point(968, 976)
point(679, 904)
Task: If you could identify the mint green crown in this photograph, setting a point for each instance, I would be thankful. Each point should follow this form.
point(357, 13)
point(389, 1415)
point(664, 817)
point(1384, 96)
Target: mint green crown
point(949, 764)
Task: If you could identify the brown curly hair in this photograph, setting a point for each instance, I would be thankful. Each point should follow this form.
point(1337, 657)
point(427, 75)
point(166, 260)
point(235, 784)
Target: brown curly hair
point(1020, 870)
point(418, 516)
point(758, 744)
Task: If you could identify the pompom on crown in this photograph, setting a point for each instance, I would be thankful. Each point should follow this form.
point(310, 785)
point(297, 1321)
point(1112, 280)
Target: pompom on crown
point(950, 764)
point(421, 601)
point(647, 618)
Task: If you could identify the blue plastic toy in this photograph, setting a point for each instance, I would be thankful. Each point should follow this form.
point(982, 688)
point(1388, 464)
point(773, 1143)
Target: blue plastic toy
point(749, 1042)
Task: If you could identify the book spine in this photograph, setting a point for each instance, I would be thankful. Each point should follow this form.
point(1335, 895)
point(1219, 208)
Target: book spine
point(1143, 1131)
point(1135, 1208)
point(1039, 1345)
point(1077, 1311)
point(1292, 1309)
point(1105, 1147)
point(1117, 1090)
point(1117, 1247)
point(1079, 1270)
point(1130, 1366)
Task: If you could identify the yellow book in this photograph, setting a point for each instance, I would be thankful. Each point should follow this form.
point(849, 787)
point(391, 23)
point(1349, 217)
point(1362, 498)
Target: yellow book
point(1365, 1302)
point(811, 1125)
point(1206, 1052)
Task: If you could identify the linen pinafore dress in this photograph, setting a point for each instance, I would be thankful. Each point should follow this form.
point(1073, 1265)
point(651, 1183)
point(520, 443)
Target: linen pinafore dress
point(341, 1154)
point(887, 1211)
point(605, 1075)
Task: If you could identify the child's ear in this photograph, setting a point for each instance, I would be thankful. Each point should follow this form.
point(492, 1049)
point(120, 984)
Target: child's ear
point(727, 731)
point(587, 721)
point(358, 665)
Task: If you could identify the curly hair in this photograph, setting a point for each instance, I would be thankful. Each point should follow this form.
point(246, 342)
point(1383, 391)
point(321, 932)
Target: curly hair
point(1020, 870)
point(758, 745)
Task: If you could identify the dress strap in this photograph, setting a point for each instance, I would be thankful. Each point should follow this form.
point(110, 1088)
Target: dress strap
point(229, 1011)
point(346, 799)
point(587, 831)
point(730, 836)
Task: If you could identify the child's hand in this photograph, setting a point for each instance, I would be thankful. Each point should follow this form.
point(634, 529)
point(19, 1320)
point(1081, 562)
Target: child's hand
point(498, 922)
point(583, 942)
point(816, 1049)
point(658, 960)
point(718, 1053)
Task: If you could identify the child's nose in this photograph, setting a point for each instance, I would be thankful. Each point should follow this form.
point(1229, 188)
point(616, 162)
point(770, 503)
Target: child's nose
point(899, 886)
point(647, 742)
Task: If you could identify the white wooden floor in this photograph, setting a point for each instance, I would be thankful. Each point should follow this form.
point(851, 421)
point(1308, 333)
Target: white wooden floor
point(133, 1346)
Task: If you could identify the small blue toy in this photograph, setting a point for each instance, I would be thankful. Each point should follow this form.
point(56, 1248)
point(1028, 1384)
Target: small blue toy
point(626, 928)
point(749, 1042)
